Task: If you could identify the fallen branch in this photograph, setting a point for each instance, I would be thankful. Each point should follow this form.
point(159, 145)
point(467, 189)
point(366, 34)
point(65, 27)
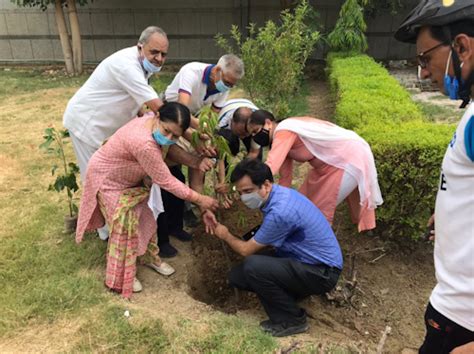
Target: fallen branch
point(376, 259)
point(385, 333)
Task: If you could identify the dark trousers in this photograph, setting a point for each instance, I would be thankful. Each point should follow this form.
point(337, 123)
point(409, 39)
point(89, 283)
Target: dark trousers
point(234, 142)
point(442, 334)
point(172, 218)
point(279, 282)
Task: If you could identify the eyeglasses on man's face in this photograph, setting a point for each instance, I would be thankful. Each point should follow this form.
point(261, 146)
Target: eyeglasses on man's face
point(423, 58)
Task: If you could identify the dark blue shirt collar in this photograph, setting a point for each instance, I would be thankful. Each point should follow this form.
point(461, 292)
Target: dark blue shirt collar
point(206, 78)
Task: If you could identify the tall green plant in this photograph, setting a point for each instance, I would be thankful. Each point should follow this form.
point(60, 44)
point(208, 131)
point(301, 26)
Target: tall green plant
point(66, 178)
point(348, 35)
point(274, 57)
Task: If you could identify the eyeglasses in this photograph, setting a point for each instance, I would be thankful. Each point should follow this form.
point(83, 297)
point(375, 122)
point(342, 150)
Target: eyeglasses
point(422, 60)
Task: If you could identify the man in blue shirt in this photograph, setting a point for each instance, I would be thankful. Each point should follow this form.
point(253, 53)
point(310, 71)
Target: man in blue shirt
point(308, 258)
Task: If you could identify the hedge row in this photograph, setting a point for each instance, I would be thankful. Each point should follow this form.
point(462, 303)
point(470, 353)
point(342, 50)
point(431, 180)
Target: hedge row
point(408, 150)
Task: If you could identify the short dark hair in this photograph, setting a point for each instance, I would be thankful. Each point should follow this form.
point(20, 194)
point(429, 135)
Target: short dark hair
point(241, 115)
point(255, 169)
point(177, 113)
point(259, 116)
point(453, 29)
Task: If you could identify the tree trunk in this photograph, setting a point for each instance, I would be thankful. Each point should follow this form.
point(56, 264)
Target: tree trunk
point(63, 36)
point(76, 36)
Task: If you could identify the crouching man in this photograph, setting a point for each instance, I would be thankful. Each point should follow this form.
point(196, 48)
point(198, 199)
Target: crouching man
point(307, 260)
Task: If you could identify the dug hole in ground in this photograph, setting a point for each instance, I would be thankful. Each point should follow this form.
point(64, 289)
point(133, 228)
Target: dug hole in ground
point(381, 285)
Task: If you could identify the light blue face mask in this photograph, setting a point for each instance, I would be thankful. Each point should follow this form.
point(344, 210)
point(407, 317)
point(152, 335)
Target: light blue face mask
point(220, 86)
point(252, 200)
point(451, 84)
point(149, 67)
point(161, 139)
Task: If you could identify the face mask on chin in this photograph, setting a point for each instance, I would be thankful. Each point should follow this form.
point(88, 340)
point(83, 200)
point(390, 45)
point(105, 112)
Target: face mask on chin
point(262, 138)
point(451, 84)
point(147, 65)
point(252, 200)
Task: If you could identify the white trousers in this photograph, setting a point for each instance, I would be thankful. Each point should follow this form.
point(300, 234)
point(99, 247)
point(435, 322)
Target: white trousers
point(84, 153)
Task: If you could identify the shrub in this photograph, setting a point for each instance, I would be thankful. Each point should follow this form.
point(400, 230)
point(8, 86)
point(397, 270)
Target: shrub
point(348, 35)
point(274, 57)
point(367, 93)
point(408, 150)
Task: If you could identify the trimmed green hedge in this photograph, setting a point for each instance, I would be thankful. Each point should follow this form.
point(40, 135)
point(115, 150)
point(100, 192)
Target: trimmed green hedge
point(408, 150)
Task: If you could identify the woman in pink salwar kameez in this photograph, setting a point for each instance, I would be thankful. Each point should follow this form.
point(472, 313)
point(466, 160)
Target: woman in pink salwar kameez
point(114, 192)
point(342, 163)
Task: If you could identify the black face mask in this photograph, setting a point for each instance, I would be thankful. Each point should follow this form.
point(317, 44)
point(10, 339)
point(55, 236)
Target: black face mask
point(262, 138)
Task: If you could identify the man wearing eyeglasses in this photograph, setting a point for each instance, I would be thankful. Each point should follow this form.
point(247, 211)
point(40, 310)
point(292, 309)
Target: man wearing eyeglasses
point(444, 36)
point(195, 85)
point(113, 95)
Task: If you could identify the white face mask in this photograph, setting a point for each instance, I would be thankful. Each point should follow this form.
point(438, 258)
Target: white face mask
point(252, 200)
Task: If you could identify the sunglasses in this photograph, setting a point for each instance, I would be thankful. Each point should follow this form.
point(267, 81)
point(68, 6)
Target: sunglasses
point(423, 60)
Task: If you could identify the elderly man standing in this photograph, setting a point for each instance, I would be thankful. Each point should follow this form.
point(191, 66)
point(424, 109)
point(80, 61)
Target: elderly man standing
point(444, 36)
point(199, 84)
point(114, 94)
point(195, 85)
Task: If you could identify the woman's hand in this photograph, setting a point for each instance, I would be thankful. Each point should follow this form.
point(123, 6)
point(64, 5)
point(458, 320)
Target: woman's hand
point(206, 164)
point(206, 202)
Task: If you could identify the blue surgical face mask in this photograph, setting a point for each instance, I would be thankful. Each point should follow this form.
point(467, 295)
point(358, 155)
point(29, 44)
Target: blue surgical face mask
point(149, 67)
point(161, 139)
point(252, 200)
point(451, 84)
point(220, 86)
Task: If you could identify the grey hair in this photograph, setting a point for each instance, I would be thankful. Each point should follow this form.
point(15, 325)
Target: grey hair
point(230, 63)
point(147, 32)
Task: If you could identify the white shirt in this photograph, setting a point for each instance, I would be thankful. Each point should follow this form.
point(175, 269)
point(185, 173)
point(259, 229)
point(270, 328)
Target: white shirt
point(111, 97)
point(453, 295)
point(193, 78)
point(227, 112)
point(230, 106)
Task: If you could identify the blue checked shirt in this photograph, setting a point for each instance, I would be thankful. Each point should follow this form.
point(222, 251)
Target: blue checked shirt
point(297, 229)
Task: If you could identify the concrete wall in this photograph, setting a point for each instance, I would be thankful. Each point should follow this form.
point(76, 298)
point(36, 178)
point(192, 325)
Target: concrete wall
point(29, 34)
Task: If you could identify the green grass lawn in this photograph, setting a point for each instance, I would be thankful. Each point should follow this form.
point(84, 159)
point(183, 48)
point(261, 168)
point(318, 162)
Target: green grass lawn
point(53, 288)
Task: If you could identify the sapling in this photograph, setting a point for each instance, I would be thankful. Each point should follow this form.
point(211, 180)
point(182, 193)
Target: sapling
point(66, 171)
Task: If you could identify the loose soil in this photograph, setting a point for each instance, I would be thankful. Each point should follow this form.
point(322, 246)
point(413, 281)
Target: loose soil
point(392, 285)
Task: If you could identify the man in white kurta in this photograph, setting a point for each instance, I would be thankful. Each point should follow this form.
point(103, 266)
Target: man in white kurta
point(114, 94)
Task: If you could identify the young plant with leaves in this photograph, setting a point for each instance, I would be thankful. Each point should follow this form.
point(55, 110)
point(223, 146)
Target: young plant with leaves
point(275, 56)
point(348, 35)
point(208, 125)
point(66, 171)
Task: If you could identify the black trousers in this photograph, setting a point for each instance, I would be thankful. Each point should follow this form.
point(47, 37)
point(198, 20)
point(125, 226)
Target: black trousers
point(279, 282)
point(442, 334)
point(172, 218)
point(234, 142)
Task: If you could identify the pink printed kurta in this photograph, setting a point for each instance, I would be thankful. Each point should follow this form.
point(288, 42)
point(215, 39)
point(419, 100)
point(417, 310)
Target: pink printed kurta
point(122, 163)
point(322, 184)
